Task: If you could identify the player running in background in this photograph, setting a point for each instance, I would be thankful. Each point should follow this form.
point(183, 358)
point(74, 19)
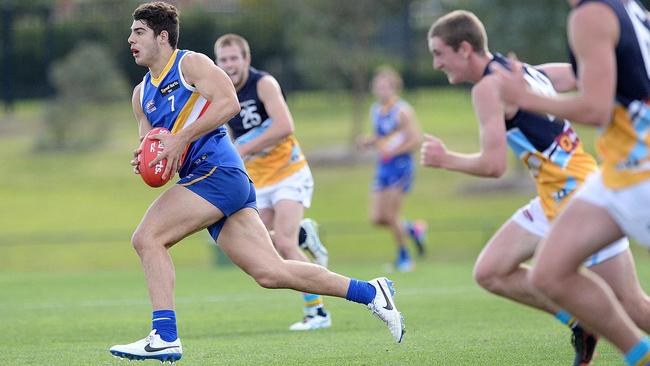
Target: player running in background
point(610, 53)
point(187, 94)
point(396, 135)
point(554, 155)
point(263, 132)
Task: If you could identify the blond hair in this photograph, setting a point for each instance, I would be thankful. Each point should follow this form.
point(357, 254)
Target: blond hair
point(458, 26)
point(233, 39)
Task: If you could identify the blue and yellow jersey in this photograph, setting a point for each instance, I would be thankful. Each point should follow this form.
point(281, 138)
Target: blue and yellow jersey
point(275, 163)
point(548, 146)
point(385, 120)
point(624, 145)
point(169, 101)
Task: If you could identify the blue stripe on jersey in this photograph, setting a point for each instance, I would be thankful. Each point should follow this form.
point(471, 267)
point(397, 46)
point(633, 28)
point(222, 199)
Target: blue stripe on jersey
point(641, 120)
point(519, 143)
point(560, 157)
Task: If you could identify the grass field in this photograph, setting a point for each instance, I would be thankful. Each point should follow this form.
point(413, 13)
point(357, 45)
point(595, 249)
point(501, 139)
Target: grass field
point(70, 283)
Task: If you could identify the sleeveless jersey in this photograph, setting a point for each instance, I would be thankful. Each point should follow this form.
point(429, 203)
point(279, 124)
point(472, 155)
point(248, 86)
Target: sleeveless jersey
point(548, 146)
point(624, 144)
point(386, 124)
point(169, 101)
point(276, 162)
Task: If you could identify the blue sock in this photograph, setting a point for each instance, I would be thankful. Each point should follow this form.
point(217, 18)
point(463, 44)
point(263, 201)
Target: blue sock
point(639, 355)
point(164, 322)
point(403, 254)
point(361, 292)
point(566, 318)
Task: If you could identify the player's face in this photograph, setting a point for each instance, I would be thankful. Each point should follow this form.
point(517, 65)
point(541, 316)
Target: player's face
point(144, 46)
point(383, 88)
point(231, 59)
point(451, 62)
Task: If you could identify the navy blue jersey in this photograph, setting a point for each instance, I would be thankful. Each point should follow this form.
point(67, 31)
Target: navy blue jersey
point(632, 50)
point(537, 130)
point(547, 145)
point(252, 112)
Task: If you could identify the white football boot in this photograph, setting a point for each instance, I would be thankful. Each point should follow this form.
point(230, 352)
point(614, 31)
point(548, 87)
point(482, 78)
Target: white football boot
point(312, 243)
point(383, 307)
point(152, 347)
point(313, 322)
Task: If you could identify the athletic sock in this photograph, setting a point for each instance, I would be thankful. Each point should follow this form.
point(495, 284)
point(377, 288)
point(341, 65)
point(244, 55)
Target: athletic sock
point(164, 322)
point(639, 355)
point(566, 319)
point(403, 254)
point(302, 237)
point(360, 291)
point(313, 302)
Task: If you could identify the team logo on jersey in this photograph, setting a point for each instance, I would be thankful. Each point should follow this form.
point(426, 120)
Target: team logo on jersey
point(151, 107)
point(170, 87)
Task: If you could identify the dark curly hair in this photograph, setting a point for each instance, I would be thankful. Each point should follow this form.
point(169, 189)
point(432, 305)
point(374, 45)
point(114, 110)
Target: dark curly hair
point(159, 16)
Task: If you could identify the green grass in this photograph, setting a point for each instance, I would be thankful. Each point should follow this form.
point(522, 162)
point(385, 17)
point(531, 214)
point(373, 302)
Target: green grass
point(71, 285)
point(72, 318)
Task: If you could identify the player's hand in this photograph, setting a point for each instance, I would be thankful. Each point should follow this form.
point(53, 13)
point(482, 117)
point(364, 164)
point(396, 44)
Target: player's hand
point(432, 152)
point(365, 142)
point(242, 151)
point(174, 147)
point(135, 161)
point(510, 82)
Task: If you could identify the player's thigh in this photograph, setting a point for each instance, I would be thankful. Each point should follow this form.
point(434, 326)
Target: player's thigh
point(175, 214)
point(511, 245)
point(580, 230)
point(385, 204)
point(288, 214)
point(247, 243)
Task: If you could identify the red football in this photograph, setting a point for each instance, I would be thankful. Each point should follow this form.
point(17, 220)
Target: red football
point(150, 150)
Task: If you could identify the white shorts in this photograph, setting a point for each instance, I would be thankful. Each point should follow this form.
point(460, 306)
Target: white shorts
point(629, 207)
point(532, 218)
point(297, 187)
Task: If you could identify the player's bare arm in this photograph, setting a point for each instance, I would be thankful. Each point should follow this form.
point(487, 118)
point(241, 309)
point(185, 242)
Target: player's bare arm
point(143, 124)
point(215, 86)
point(561, 76)
point(407, 126)
point(593, 34)
point(491, 160)
point(270, 94)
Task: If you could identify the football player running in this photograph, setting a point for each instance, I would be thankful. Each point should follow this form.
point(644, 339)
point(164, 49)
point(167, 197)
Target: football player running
point(551, 151)
point(610, 55)
point(188, 94)
point(264, 137)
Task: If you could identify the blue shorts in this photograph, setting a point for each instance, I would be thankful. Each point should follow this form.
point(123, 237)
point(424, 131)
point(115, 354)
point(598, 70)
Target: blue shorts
point(228, 189)
point(397, 174)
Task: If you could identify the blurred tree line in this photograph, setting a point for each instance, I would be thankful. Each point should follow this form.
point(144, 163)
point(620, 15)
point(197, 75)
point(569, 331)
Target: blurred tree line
point(306, 44)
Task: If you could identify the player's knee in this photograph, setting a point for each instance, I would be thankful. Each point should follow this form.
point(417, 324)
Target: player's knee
point(380, 220)
point(143, 241)
point(487, 278)
point(267, 278)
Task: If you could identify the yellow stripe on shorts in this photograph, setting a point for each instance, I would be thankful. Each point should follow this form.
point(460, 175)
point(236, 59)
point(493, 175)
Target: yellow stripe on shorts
point(199, 178)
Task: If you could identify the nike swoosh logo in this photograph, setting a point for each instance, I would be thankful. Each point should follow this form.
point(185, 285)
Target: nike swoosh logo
point(388, 306)
point(148, 348)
